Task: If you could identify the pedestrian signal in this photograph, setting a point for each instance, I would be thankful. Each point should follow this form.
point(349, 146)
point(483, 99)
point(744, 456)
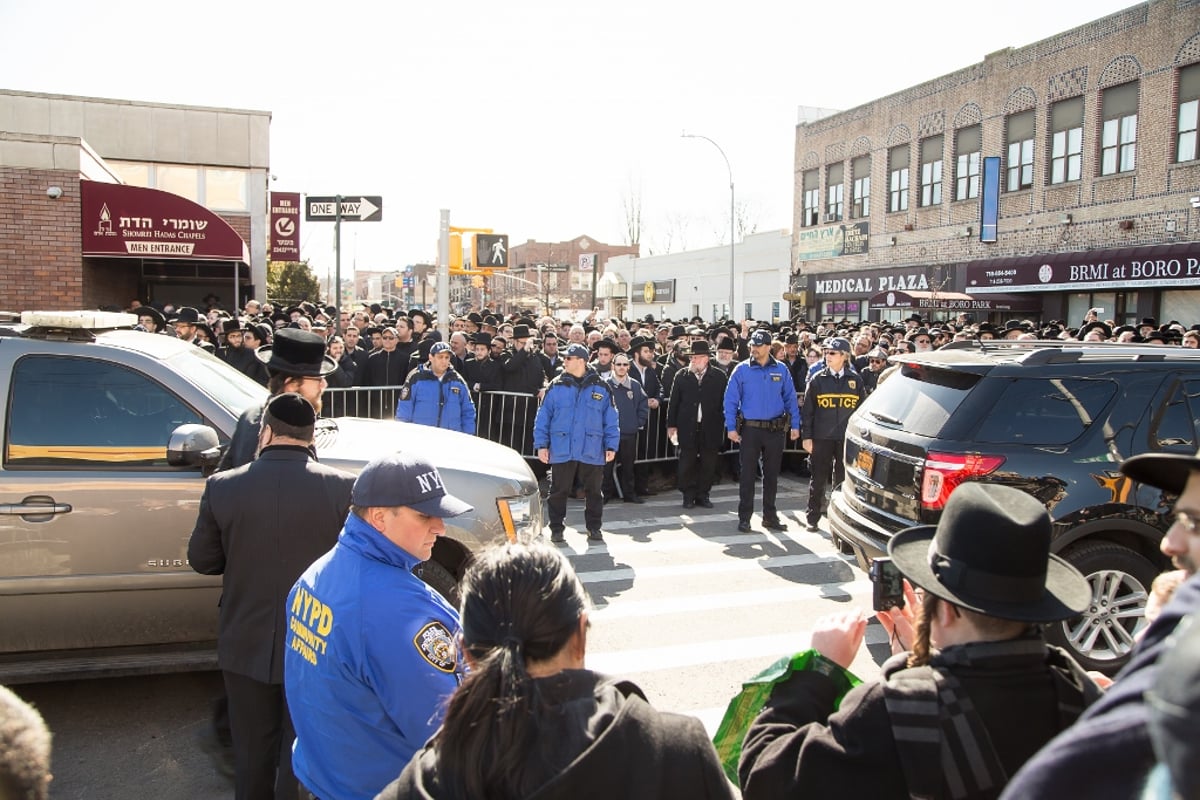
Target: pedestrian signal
point(491, 251)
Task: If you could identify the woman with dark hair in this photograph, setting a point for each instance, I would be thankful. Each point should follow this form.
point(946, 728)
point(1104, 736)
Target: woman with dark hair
point(530, 721)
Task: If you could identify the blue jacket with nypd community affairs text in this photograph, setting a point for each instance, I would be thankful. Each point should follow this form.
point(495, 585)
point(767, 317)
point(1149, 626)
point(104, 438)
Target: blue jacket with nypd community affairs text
point(577, 420)
point(761, 392)
point(371, 659)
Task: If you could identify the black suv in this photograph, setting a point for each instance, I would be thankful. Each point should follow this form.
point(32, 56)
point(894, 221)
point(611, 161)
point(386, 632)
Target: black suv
point(1055, 419)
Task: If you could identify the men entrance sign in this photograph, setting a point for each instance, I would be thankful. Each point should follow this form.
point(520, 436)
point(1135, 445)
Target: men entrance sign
point(355, 208)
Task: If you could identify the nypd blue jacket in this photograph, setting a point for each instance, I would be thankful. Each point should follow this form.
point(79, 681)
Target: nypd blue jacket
point(632, 407)
point(444, 403)
point(577, 420)
point(761, 392)
point(370, 661)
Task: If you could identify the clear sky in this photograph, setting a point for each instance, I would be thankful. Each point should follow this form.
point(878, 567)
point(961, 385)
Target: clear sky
point(535, 118)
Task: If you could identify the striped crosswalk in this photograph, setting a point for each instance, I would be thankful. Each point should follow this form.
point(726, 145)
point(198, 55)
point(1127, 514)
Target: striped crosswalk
point(687, 608)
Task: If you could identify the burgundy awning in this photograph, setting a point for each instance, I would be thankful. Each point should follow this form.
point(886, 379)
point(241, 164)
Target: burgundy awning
point(1132, 267)
point(134, 222)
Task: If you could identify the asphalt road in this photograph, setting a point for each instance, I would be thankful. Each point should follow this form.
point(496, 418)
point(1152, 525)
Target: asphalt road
point(685, 606)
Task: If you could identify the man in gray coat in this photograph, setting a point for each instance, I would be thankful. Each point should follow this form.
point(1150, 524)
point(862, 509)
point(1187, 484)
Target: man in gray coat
point(260, 526)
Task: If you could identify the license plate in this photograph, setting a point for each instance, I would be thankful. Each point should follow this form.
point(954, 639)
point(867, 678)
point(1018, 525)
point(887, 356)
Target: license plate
point(864, 461)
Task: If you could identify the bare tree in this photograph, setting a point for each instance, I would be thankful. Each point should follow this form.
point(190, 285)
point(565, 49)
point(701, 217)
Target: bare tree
point(745, 216)
point(631, 207)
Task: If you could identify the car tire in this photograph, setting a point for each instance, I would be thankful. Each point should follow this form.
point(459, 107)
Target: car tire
point(1101, 638)
point(441, 580)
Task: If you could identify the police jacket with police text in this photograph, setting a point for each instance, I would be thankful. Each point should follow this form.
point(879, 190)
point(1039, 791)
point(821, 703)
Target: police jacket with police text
point(577, 420)
point(444, 403)
point(370, 663)
point(760, 392)
point(829, 401)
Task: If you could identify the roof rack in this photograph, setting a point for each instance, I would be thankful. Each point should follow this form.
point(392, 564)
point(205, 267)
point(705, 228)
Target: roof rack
point(1055, 351)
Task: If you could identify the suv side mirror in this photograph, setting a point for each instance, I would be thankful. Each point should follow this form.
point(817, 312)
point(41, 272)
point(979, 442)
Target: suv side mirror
point(193, 446)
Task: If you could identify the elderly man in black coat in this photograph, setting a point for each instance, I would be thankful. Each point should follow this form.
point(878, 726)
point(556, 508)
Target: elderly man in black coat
point(695, 418)
point(260, 526)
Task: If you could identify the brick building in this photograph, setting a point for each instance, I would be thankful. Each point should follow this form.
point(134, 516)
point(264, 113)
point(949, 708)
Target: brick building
point(103, 201)
point(1098, 177)
point(566, 270)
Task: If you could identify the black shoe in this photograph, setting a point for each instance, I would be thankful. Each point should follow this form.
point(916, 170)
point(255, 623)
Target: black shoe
point(595, 536)
point(774, 525)
point(219, 753)
point(689, 503)
point(633, 498)
point(647, 492)
point(557, 537)
point(704, 503)
point(811, 527)
point(743, 527)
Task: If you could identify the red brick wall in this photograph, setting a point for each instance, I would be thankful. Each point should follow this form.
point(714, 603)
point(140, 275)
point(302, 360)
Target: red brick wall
point(40, 263)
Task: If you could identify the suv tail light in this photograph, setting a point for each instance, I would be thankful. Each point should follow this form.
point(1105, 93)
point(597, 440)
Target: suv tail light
point(945, 471)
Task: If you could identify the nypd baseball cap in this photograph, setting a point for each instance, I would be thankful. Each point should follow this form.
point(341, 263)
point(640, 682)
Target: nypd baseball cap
point(576, 351)
point(405, 479)
point(760, 337)
point(837, 344)
point(439, 347)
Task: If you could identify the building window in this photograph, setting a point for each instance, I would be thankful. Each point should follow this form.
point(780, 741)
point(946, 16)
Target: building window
point(225, 189)
point(1118, 136)
point(860, 192)
point(1189, 106)
point(898, 178)
point(812, 199)
point(1020, 151)
point(835, 188)
point(968, 144)
point(1066, 140)
point(931, 171)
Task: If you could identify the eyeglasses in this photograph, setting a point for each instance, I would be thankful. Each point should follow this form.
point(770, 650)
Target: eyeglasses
point(1185, 520)
point(389, 337)
point(620, 363)
point(878, 360)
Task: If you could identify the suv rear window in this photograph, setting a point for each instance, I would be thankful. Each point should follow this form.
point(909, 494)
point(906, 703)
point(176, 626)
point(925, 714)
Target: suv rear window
point(920, 399)
point(1046, 410)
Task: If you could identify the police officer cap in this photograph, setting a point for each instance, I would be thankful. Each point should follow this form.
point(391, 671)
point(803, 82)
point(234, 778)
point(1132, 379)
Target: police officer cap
point(837, 344)
point(760, 337)
point(292, 409)
point(439, 347)
point(576, 351)
point(405, 479)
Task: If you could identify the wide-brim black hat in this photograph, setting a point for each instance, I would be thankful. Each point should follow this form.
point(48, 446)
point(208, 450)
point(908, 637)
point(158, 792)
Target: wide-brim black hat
point(990, 553)
point(1168, 471)
point(699, 348)
point(296, 352)
point(150, 311)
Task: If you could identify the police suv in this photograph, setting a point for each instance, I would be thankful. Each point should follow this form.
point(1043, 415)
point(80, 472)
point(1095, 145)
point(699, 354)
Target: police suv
point(109, 435)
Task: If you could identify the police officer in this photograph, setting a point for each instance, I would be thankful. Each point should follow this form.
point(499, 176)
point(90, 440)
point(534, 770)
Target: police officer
point(833, 394)
point(760, 404)
point(436, 395)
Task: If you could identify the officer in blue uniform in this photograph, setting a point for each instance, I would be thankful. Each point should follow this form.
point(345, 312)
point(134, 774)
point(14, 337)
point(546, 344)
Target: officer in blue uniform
point(435, 394)
point(371, 656)
point(760, 406)
point(833, 394)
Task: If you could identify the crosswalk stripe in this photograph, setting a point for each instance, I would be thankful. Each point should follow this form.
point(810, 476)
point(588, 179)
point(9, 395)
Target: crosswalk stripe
point(768, 648)
point(710, 568)
point(643, 609)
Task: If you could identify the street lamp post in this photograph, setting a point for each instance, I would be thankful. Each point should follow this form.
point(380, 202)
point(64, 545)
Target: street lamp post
point(687, 135)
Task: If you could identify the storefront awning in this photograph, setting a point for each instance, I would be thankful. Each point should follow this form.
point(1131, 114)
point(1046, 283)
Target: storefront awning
point(134, 222)
point(1165, 265)
point(953, 301)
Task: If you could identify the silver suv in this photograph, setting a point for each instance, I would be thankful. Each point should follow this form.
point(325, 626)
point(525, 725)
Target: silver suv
point(109, 434)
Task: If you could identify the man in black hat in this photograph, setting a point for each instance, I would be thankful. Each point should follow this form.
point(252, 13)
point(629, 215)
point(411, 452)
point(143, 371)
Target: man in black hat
point(260, 526)
point(979, 692)
point(185, 323)
point(296, 362)
point(151, 319)
point(1108, 753)
point(695, 421)
point(235, 354)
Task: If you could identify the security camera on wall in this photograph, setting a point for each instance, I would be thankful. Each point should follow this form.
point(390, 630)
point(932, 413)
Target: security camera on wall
point(54, 192)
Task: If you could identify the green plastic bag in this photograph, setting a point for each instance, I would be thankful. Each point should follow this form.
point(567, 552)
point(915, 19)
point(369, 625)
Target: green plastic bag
point(745, 706)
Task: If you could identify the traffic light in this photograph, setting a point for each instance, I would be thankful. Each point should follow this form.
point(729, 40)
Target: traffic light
point(456, 251)
point(491, 251)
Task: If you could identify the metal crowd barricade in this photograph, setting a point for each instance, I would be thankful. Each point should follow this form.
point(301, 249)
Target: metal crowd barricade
point(506, 418)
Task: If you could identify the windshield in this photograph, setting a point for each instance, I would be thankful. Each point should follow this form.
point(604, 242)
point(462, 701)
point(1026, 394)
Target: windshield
point(217, 379)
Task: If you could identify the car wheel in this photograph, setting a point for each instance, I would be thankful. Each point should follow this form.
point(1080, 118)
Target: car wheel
point(1102, 637)
point(441, 580)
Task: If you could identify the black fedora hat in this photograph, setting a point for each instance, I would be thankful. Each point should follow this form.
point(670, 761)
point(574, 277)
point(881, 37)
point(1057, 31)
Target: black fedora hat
point(187, 315)
point(638, 342)
point(150, 311)
point(990, 553)
point(232, 325)
point(296, 352)
point(699, 348)
point(1168, 471)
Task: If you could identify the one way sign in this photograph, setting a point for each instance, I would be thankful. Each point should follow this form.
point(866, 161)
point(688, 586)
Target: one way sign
point(355, 208)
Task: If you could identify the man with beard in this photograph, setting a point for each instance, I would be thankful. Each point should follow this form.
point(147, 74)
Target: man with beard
point(1108, 752)
point(726, 349)
point(235, 354)
point(694, 419)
